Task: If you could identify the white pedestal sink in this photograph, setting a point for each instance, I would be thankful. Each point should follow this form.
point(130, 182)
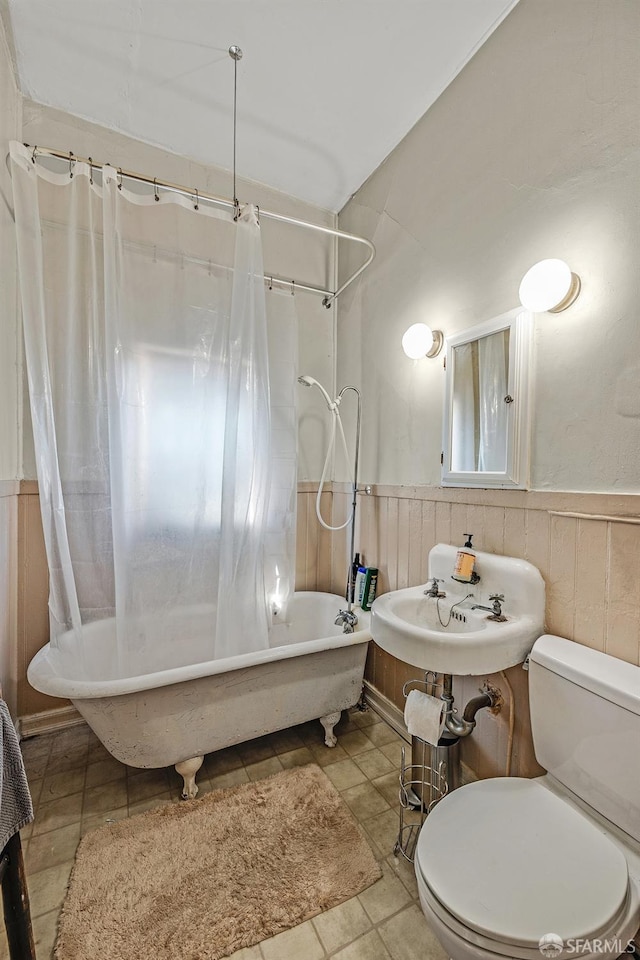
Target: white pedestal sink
point(423, 630)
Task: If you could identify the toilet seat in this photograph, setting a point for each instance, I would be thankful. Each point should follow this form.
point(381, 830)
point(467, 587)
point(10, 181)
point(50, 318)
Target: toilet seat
point(570, 879)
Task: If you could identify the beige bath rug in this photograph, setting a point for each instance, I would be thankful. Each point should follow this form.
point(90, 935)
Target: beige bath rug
point(201, 879)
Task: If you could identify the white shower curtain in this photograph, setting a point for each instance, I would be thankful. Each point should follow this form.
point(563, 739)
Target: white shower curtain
point(166, 468)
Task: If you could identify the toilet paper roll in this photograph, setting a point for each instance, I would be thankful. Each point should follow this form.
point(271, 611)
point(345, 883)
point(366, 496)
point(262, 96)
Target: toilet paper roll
point(424, 716)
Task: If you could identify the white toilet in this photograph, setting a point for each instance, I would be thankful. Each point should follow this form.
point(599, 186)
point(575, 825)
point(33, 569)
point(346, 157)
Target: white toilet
point(548, 867)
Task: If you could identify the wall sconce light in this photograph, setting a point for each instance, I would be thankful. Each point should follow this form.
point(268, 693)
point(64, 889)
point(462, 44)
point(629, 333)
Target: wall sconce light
point(549, 286)
point(421, 341)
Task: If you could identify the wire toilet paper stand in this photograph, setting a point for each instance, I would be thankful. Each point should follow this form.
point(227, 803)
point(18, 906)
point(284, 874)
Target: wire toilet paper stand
point(425, 780)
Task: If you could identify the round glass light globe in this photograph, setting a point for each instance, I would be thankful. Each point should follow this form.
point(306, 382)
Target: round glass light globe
point(417, 341)
point(545, 285)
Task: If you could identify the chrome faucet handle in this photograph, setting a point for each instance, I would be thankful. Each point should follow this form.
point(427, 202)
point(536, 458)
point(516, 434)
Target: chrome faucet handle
point(497, 601)
point(432, 589)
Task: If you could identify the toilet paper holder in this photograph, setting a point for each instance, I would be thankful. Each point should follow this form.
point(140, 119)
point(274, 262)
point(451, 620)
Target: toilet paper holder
point(426, 779)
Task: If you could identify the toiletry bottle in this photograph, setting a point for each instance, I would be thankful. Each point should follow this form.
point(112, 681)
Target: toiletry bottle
point(360, 578)
point(351, 581)
point(465, 562)
point(370, 586)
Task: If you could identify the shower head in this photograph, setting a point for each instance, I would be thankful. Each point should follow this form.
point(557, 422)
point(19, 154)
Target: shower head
point(312, 382)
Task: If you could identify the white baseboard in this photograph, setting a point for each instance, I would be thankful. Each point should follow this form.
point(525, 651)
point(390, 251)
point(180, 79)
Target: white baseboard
point(386, 709)
point(48, 721)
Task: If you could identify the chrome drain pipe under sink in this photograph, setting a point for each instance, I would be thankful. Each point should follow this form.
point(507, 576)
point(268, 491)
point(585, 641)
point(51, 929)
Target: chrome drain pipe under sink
point(463, 726)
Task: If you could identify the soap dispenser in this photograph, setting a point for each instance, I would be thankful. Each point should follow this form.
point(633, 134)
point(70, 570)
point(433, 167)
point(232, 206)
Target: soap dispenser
point(465, 562)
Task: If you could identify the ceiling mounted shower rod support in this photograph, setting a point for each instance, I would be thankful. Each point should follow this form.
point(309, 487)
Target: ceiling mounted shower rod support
point(328, 296)
point(236, 54)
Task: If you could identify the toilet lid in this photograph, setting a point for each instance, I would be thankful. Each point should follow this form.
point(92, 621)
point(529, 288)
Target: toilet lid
point(513, 861)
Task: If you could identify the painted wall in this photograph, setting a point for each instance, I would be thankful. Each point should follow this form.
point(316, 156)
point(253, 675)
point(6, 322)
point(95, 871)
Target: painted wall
point(533, 151)
point(10, 109)
point(9, 380)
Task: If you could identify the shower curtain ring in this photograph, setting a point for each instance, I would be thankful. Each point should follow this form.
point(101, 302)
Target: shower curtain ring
point(72, 163)
point(258, 214)
point(270, 283)
point(236, 208)
point(91, 171)
point(33, 155)
point(196, 201)
point(293, 288)
point(156, 195)
point(119, 178)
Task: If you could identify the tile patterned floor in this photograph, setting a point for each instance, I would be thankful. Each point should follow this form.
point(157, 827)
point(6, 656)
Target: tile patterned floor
point(76, 786)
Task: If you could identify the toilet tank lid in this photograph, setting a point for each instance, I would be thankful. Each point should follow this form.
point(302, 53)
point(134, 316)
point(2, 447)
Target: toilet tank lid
point(604, 675)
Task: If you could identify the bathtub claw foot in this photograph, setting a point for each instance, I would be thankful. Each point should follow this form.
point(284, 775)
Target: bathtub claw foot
point(187, 770)
point(329, 722)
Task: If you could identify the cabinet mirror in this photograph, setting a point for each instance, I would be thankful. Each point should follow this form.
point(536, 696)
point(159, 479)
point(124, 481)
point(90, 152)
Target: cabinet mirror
point(486, 418)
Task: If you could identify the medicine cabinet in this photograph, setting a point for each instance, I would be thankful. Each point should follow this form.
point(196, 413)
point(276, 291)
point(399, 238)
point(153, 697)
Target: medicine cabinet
point(486, 410)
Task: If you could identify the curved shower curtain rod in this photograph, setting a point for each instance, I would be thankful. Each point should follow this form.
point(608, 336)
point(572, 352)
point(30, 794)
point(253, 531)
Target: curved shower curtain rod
point(328, 295)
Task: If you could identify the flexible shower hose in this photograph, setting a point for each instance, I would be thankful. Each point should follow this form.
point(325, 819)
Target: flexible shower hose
point(333, 407)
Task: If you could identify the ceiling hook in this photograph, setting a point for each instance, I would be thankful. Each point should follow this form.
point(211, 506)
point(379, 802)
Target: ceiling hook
point(156, 194)
point(72, 163)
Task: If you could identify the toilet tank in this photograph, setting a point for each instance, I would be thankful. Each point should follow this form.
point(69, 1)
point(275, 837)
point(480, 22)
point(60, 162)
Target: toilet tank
point(585, 718)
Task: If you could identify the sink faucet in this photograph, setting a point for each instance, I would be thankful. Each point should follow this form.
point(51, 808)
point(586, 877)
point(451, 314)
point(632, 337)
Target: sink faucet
point(432, 590)
point(495, 610)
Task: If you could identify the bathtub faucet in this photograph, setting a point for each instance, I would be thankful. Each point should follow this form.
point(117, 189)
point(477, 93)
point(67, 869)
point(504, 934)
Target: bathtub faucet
point(347, 619)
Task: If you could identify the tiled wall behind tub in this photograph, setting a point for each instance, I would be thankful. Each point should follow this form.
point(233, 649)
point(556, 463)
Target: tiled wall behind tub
point(589, 565)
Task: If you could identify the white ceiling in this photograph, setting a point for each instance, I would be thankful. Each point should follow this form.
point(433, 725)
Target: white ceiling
point(326, 88)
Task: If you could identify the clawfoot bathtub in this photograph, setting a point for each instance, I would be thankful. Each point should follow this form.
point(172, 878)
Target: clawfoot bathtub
point(175, 715)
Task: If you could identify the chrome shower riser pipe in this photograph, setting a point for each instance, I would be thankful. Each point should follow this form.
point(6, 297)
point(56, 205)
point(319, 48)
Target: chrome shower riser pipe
point(354, 499)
